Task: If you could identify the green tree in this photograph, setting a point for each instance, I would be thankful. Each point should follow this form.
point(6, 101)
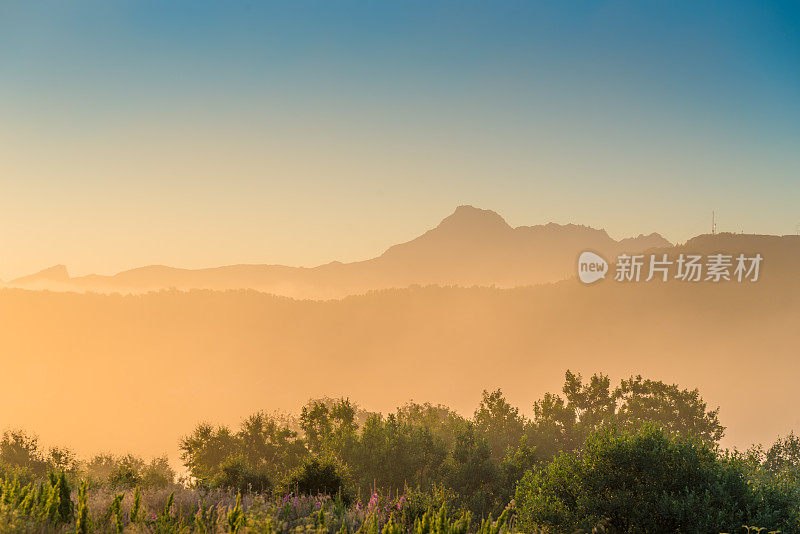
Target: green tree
point(643, 480)
point(317, 476)
point(517, 461)
point(392, 454)
point(157, 473)
point(21, 451)
point(470, 471)
point(500, 423)
point(268, 446)
point(675, 410)
point(236, 473)
point(127, 472)
point(784, 455)
point(206, 449)
point(330, 426)
point(443, 422)
point(262, 451)
point(62, 459)
point(564, 423)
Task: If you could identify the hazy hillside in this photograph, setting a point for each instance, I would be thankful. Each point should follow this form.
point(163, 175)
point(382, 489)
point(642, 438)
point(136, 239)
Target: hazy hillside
point(148, 367)
point(470, 247)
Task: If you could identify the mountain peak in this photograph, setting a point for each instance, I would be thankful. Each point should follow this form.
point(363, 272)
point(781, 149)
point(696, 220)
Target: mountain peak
point(471, 218)
point(56, 273)
point(645, 242)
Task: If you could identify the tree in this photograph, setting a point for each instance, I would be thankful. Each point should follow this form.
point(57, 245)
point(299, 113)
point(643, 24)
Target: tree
point(158, 473)
point(563, 424)
point(554, 426)
point(784, 455)
point(21, 451)
point(62, 459)
point(392, 453)
point(500, 422)
point(236, 473)
point(470, 471)
point(642, 480)
point(205, 450)
point(260, 453)
point(127, 472)
point(269, 446)
point(317, 476)
point(330, 426)
point(677, 411)
point(517, 461)
point(441, 420)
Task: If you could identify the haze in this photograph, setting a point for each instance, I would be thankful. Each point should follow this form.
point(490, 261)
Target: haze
point(243, 205)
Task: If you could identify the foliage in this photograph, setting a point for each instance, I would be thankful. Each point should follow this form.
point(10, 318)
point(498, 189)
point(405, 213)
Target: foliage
point(262, 451)
point(317, 476)
point(644, 480)
point(330, 428)
point(186, 511)
point(500, 422)
point(626, 458)
point(128, 471)
point(82, 523)
point(20, 451)
point(236, 473)
point(564, 423)
point(391, 453)
point(470, 471)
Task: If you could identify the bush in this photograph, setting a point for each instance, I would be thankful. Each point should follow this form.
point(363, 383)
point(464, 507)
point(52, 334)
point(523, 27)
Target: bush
point(644, 481)
point(235, 473)
point(317, 476)
point(125, 472)
point(20, 455)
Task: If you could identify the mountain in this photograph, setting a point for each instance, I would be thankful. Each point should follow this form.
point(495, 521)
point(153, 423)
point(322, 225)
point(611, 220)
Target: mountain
point(470, 247)
point(477, 247)
point(781, 254)
point(55, 277)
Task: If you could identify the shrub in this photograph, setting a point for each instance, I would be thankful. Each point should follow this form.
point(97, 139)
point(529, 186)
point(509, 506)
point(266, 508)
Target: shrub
point(235, 473)
point(643, 481)
point(317, 476)
point(127, 472)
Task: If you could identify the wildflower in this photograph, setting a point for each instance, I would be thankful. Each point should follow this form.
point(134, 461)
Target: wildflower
point(373, 502)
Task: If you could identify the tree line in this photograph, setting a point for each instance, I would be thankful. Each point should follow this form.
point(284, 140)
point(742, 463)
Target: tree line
point(641, 456)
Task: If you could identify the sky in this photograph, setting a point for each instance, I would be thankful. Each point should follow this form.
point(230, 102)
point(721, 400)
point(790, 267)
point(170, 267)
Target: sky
point(198, 133)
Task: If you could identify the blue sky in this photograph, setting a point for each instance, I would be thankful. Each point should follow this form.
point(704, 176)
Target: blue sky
point(205, 133)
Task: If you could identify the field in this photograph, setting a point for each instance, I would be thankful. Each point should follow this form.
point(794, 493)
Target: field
point(638, 456)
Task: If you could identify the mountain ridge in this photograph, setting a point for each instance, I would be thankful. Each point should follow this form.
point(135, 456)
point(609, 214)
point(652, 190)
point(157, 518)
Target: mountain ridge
point(471, 246)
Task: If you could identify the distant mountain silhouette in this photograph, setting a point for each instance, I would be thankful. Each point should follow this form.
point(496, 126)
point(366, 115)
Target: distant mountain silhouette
point(781, 254)
point(48, 278)
point(470, 247)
